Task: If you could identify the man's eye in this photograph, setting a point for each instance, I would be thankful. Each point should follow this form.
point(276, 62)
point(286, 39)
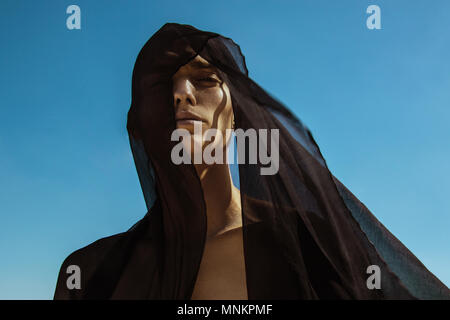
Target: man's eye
point(208, 79)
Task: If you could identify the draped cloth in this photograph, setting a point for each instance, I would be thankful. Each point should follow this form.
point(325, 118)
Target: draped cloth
point(306, 236)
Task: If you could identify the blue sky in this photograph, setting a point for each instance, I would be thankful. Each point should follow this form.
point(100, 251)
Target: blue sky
point(376, 101)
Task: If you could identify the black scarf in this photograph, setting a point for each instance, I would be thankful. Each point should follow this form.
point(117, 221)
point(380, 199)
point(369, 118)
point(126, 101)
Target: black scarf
point(317, 237)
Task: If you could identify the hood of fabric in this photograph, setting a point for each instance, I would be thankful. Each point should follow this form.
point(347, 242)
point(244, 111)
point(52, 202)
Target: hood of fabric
point(337, 238)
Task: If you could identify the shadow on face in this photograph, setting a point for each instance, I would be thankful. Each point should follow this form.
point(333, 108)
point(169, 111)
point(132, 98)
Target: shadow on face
point(201, 97)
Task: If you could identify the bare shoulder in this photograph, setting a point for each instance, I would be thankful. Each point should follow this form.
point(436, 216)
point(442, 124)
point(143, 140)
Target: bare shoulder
point(257, 210)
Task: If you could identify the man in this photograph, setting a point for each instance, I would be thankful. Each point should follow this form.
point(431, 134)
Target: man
point(294, 234)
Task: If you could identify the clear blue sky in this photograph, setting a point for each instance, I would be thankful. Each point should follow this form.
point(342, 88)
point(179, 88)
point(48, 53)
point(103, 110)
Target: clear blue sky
point(377, 102)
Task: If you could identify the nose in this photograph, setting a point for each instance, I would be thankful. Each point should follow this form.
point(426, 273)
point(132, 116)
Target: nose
point(183, 93)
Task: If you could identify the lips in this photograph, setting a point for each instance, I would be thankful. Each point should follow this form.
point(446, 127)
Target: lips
point(187, 116)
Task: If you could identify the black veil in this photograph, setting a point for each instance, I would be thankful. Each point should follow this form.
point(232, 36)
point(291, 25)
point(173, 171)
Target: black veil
point(325, 235)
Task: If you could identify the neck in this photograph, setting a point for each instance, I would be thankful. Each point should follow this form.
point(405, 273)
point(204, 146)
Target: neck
point(222, 198)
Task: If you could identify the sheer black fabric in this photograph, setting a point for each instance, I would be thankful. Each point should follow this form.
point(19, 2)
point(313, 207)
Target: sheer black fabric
point(305, 235)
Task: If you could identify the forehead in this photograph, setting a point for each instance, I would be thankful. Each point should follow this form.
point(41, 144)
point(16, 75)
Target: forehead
point(196, 64)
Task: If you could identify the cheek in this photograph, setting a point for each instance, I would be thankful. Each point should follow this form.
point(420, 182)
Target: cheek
point(212, 98)
point(216, 106)
point(226, 108)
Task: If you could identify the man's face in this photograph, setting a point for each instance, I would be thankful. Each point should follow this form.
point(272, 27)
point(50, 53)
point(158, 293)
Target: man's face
point(200, 95)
